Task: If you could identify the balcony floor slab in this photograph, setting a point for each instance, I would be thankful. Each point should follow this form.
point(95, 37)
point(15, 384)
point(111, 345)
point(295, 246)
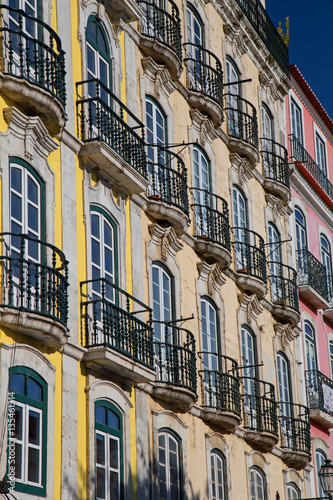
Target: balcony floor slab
point(251, 284)
point(278, 189)
point(314, 298)
point(207, 106)
point(225, 419)
point(106, 161)
point(323, 418)
point(114, 362)
point(211, 250)
point(285, 314)
point(161, 54)
point(261, 440)
point(178, 397)
point(295, 459)
point(44, 329)
point(161, 211)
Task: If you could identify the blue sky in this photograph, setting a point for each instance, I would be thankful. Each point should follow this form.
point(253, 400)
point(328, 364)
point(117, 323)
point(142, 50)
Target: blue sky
point(311, 42)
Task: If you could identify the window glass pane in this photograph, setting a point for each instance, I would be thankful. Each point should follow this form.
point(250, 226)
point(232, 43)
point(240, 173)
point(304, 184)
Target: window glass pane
point(107, 235)
point(34, 390)
point(95, 252)
point(114, 481)
point(100, 415)
point(16, 207)
point(34, 429)
point(18, 461)
point(100, 482)
point(18, 416)
point(113, 444)
point(95, 225)
point(113, 420)
point(17, 383)
point(33, 218)
point(32, 190)
point(91, 31)
point(100, 449)
point(33, 465)
point(101, 41)
point(16, 179)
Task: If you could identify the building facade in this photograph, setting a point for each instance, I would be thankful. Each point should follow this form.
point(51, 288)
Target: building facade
point(311, 150)
point(149, 306)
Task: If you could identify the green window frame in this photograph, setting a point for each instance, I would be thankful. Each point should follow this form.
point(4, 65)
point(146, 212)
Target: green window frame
point(98, 53)
point(110, 458)
point(30, 432)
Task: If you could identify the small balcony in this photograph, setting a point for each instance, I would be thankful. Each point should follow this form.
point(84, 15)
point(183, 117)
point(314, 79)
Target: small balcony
point(175, 362)
point(221, 403)
point(33, 67)
point(319, 390)
point(112, 135)
point(312, 279)
point(311, 171)
point(261, 22)
point(211, 226)
point(275, 169)
point(260, 417)
point(204, 79)
point(167, 193)
point(295, 434)
point(116, 330)
point(34, 282)
point(160, 31)
point(250, 261)
point(328, 313)
point(284, 292)
point(242, 127)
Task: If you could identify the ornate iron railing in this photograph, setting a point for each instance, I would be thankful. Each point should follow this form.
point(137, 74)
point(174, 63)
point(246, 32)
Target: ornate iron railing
point(111, 317)
point(211, 217)
point(330, 288)
point(283, 284)
point(241, 119)
point(175, 357)
point(311, 272)
point(101, 117)
point(34, 277)
point(220, 383)
point(249, 253)
point(204, 72)
point(319, 390)
point(161, 22)
point(299, 154)
point(258, 17)
point(259, 406)
point(31, 50)
point(295, 427)
point(275, 161)
point(168, 177)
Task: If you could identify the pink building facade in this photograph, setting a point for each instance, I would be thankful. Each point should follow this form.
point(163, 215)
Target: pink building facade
point(310, 147)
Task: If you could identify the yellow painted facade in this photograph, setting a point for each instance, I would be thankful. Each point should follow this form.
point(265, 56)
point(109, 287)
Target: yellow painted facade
point(142, 325)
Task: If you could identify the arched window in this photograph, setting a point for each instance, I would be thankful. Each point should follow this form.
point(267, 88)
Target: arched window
point(156, 135)
point(326, 259)
point(240, 224)
point(257, 484)
point(104, 267)
point(169, 445)
point(296, 120)
point(267, 124)
point(108, 451)
point(162, 299)
point(300, 223)
point(284, 386)
point(331, 357)
point(201, 192)
point(233, 75)
point(210, 350)
point(233, 103)
point(195, 27)
point(201, 169)
point(293, 492)
point(310, 347)
point(30, 434)
point(320, 459)
point(249, 372)
point(274, 260)
point(218, 482)
point(98, 56)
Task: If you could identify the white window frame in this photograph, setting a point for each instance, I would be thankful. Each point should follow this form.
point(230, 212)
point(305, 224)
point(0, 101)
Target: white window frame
point(107, 438)
point(168, 436)
point(317, 134)
point(214, 457)
point(255, 474)
point(293, 97)
point(102, 247)
point(26, 408)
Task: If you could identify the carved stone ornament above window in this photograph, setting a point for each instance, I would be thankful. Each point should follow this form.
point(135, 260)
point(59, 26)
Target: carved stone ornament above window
point(159, 75)
point(242, 167)
point(166, 239)
point(286, 334)
point(212, 275)
point(251, 306)
point(277, 207)
point(203, 126)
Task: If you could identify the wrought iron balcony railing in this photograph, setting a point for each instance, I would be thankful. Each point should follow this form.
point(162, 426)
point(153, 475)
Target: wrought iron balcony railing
point(283, 283)
point(31, 50)
point(168, 177)
point(110, 317)
point(258, 17)
point(204, 72)
point(295, 427)
point(161, 22)
point(175, 357)
point(311, 272)
point(241, 119)
point(101, 117)
point(220, 383)
point(319, 390)
point(34, 277)
point(211, 217)
point(275, 161)
point(299, 154)
point(259, 406)
point(249, 253)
